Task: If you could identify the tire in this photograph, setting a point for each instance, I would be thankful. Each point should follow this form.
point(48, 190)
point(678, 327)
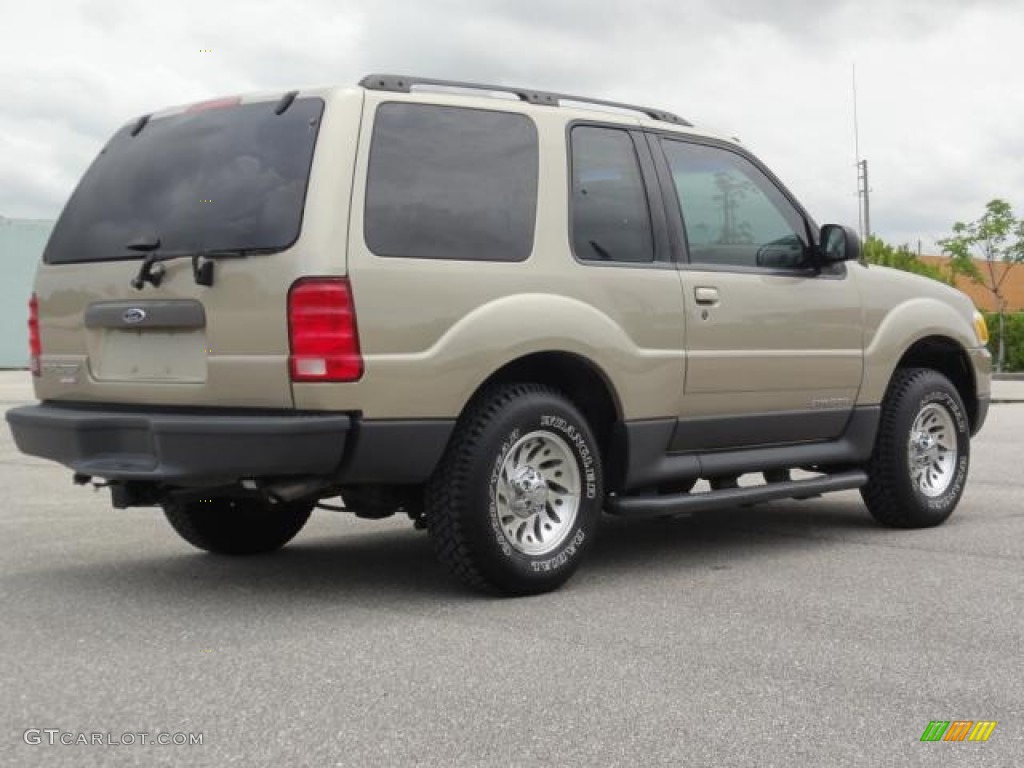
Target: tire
point(237, 526)
point(918, 470)
point(514, 504)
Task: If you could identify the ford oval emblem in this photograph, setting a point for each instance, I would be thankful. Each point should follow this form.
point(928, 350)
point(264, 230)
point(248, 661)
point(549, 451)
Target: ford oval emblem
point(133, 316)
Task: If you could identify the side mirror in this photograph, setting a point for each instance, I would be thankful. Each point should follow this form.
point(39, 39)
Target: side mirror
point(839, 243)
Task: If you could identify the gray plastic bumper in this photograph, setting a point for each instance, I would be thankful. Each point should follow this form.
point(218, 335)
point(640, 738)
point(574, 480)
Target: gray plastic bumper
point(180, 447)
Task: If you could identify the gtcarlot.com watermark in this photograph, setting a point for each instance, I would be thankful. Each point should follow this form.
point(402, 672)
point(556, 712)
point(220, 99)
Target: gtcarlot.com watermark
point(56, 736)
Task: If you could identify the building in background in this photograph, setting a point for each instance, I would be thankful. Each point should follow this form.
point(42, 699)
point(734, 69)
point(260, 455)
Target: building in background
point(1012, 285)
point(21, 247)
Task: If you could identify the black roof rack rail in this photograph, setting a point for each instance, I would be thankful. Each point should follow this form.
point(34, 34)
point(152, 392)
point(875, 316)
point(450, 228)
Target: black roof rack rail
point(404, 84)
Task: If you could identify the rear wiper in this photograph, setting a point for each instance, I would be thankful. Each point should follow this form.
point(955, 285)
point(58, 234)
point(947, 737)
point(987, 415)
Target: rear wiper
point(152, 270)
point(149, 271)
point(227, 253)
point(202, 261)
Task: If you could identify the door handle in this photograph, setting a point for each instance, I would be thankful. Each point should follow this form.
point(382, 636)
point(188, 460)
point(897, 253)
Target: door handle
point(705, 295)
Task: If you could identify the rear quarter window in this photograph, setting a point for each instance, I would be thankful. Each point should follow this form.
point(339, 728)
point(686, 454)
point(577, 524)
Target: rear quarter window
point(611, 219)
point(451, 183)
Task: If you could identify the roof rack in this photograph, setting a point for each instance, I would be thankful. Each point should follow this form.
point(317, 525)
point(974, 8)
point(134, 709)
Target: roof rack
point(403, 84)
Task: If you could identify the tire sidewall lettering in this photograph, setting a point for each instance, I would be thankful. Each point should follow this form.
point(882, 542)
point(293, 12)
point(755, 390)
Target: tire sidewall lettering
point(563, 557)
point(951, 495)
point(578, 442)
point(944, 399)
point(586, 460)
point(492, 508)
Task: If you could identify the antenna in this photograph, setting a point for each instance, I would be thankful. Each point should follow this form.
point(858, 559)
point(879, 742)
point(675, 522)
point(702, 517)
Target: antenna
point(856, 129)
point(863, 190)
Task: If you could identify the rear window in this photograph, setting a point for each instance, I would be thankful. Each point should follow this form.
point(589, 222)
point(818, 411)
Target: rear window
point(219, 179)
point(451, 183)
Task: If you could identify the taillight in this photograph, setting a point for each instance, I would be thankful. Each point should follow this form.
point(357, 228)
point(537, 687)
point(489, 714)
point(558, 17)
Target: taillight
point(35, 342)
point(322, 331)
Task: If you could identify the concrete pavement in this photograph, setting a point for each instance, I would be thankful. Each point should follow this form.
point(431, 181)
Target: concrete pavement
point(15, 387)
point(1008, 391)
point(789, 634)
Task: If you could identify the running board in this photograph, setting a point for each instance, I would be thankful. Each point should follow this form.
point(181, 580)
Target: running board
point(674, 504)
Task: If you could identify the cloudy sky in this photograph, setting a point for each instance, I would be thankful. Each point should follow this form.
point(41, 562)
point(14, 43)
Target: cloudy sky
point(941, 102)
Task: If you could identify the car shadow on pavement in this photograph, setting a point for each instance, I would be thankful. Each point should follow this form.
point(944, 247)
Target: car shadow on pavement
point(397, 565)
point(729, 535)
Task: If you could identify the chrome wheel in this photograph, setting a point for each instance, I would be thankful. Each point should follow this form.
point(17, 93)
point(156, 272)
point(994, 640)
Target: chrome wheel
point(932, 450)
point(537, 493)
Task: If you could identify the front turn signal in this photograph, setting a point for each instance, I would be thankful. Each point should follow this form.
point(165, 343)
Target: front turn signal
point(980, 328)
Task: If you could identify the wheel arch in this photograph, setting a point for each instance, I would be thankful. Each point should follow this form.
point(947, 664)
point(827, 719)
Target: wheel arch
point(948, 357)
point(579, 379)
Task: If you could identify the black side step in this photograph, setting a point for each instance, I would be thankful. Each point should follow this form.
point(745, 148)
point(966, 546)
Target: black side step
point(673, 504)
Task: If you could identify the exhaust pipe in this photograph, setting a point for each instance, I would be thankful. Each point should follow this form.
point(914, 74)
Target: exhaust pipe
point(295, 489)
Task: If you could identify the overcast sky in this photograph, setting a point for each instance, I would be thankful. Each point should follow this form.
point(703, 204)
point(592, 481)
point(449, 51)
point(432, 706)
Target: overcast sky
point(941, 102)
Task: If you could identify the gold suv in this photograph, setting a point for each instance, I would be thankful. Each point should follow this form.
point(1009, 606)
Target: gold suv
point(500, 311)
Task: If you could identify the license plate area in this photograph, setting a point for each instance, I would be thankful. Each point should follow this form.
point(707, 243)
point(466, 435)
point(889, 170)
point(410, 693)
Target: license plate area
point(159, 355)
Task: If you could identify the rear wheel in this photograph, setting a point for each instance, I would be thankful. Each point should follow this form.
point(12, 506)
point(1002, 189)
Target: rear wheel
point(237, 526)
point(515, 501)
point(917, 473)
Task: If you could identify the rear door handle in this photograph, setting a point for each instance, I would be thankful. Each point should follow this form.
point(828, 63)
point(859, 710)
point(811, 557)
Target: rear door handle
point(705, 295)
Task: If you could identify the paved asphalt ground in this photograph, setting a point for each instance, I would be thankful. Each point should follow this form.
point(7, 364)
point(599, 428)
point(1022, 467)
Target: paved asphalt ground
point(793, 634)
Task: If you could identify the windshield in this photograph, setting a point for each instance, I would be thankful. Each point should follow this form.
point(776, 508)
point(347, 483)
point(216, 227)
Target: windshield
point(219, 179)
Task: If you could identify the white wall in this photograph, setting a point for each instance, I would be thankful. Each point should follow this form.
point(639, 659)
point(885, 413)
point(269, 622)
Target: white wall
point(21, 246)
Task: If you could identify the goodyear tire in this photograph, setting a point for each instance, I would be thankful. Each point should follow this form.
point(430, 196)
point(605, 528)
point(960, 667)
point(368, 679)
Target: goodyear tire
point(917, 473)
point(513, 506)
point(237, 526)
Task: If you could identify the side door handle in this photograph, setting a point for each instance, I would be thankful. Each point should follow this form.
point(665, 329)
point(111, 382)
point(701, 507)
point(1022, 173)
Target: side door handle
point(706, 295)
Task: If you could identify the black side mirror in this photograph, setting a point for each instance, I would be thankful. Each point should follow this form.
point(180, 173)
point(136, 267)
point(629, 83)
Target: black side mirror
point(839, 242)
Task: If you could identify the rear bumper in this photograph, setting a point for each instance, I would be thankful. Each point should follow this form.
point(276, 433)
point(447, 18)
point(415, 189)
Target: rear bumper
point(202, 447)
point(174, 447)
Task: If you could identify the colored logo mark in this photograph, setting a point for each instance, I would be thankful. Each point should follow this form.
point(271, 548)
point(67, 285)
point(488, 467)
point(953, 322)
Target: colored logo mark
point(958, 730)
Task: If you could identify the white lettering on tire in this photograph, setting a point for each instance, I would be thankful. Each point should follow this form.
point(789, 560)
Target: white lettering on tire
point(544, 566)
point(577, 440)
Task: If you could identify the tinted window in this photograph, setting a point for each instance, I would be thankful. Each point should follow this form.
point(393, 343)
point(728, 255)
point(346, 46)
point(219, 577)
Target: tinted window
point(229, 178)
point(733, 213)
point(451, 183)
point(610, 217)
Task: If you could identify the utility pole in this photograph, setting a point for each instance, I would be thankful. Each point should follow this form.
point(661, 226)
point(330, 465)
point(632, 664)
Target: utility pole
point(864, 193)
point(863, 213)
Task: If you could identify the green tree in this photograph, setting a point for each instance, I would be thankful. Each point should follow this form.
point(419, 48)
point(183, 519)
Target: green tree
point(1013, 327)
point(877, 251)
point(998, 236)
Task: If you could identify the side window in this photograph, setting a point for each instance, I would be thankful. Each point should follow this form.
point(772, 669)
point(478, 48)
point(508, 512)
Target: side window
point(451, 183)
point(733, 213)
point(611, 220)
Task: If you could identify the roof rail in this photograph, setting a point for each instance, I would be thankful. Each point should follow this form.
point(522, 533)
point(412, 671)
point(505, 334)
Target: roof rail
point(403, 84)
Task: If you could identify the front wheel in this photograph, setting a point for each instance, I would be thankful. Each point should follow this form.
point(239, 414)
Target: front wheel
point(515, 501)
point(917, 473)
point(228, 526)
